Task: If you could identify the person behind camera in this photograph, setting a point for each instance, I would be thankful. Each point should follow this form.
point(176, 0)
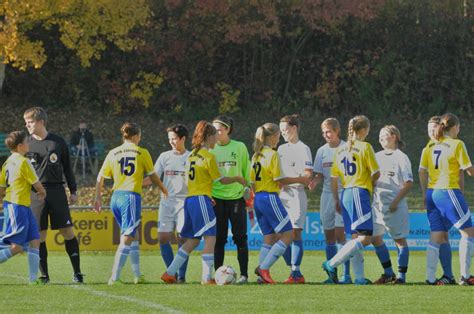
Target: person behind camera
point(75, 143)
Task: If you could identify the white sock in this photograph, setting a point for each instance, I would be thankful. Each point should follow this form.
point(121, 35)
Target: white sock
point(135, 258)
point(432, 256)
point(178, 260)
point(207, 265)
point(119, 261)
point(263, 253)
point(357, 264)
point(347, 251)
point(466, 246)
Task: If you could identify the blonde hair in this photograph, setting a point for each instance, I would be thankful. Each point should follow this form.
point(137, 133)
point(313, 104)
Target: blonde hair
point(393, 130)
point(333, 124)
point(447, 121)
point(356, 124)
point(262, 135)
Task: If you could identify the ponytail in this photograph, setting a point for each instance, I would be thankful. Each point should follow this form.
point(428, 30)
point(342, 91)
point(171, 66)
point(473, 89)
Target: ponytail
point(202, 132)
point(447, 121)
point(356, 124)
point(262, 135)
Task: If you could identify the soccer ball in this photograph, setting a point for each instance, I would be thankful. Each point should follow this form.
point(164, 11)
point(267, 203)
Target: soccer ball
point(225, 275)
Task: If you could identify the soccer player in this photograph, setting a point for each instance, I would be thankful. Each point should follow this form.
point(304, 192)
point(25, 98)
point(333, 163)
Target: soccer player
point(171, 166)
point(127, 165)
point(445, 252)
point(266, 177)
point(20, 231)
point(354, 163)
point(440, 163)
point(331, 220)
point(233, 160)
point(199, 217)
point(49, 155)
point(296, 161)
point(389, 205)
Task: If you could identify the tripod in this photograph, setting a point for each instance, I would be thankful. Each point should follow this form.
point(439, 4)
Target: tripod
point(83, 153)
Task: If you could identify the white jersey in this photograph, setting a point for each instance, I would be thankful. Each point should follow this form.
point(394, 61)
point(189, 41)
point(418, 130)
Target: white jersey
point(323, 163)
point(172, 168)
point(295, 159)
point(395, 170)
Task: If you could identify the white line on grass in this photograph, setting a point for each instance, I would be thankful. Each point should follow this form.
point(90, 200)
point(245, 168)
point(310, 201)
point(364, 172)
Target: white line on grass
point(148, 304)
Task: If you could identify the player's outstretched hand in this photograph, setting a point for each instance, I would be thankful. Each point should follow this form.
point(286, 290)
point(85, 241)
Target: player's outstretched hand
point(41, 196)
point(72, 198)
point(97, 206)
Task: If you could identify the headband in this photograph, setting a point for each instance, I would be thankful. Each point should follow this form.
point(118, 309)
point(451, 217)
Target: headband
point(223, 123)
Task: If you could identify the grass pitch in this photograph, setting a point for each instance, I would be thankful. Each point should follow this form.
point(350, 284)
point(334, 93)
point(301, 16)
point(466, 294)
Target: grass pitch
point(96, 296)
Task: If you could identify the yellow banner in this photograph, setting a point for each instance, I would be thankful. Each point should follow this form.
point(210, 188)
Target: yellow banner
point(100, 232)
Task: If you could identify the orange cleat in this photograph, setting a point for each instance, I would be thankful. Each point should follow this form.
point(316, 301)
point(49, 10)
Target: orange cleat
point(294, 280)
point(265, 275)
point(210, 282)
point(167, 278)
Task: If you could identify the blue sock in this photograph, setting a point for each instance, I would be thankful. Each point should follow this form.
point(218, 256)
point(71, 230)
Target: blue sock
point(384, 258)
point(403, 255)
point(33, 263)
point(276, 251)
point(167, 253)
point(263, 253)
point(120, 259)
point(5, 254)
point(287, 256)
point(331, 250)
point(347, 264)
point(183, 268)
point(445, 257)
point(296, 257)
point(135, 258)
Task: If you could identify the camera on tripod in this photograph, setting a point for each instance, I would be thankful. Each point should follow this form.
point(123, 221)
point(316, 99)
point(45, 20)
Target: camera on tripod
point(82, 147)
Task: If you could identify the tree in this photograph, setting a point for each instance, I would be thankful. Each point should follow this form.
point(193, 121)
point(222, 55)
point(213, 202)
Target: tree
point(85, 26)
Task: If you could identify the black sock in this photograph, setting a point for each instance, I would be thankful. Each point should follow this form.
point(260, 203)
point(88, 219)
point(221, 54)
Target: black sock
point(43, 254)
point(72, 249)
point(243, 257)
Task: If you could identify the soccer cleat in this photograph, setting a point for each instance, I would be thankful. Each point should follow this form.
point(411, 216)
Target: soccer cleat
point(346, 280)
point(168, 278)
point(466, 281)
point(210, 282)
point(332, 272)
point(78, 278)
point(139, 280)
point(431, 283)
point(362, 282)
point(260, 280)
point(242, 280)
point(181, 280)
point(112, 282)
point(265, 275)
point(290, 280)
point(384, 279)
point(399, 281)
point(44, 279)
point(328, 281)
point(445, 281)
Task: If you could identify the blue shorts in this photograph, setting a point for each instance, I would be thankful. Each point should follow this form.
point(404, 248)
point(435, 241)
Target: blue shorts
point(357, 211)
point(127, 209)
point(19, 224)
point(447, 208)
point(199, 217)
point(271, 215)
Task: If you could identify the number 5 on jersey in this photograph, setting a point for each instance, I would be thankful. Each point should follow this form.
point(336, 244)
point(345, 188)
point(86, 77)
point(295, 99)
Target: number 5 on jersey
point(127, 166)
point(192, 170)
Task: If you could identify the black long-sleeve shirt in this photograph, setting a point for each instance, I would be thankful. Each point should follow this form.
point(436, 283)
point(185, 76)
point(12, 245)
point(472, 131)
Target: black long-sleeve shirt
point(50, 158)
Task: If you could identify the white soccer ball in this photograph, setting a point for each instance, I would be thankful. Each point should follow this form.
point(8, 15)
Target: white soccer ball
point(225, 275)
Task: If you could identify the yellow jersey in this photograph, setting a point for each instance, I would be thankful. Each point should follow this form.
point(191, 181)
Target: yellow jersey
point(266, 171)
point(443, 159)
point(355, 168)
point(18, 175)
point(201, 172)
point(127, 165)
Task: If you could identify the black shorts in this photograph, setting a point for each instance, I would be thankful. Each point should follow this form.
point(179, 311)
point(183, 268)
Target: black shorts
point(55, 207)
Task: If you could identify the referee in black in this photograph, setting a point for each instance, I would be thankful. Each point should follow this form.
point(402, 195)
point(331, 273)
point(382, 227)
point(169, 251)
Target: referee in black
point(49, 155)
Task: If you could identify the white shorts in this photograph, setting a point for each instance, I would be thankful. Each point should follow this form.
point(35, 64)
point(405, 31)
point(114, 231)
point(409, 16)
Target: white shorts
point(171, 215)
point(397, 224)
point(330, 219)
point(296, 204)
